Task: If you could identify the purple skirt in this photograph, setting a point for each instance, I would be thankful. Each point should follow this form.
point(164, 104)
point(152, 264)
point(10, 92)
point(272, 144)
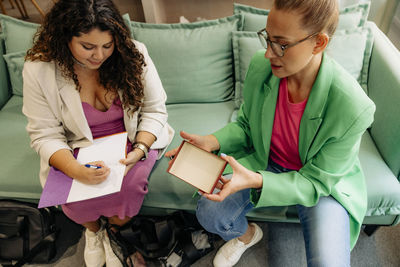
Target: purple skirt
point(125, 203)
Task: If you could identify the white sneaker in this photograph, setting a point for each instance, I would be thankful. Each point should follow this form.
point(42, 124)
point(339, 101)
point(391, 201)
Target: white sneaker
point(230, 253)
point(111, 259)
point(94, 250)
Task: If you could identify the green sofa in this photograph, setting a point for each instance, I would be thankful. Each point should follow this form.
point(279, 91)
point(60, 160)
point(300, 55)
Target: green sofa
point(202, 66)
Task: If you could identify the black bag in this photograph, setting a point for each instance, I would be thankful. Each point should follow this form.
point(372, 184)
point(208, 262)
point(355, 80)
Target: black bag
point(27, 234)
point(160, 239)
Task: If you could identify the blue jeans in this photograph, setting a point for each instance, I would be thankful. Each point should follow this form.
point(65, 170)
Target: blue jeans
point(326, 228)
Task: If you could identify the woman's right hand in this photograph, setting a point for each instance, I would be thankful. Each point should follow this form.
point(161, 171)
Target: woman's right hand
point(91, 175)
point(206, 142)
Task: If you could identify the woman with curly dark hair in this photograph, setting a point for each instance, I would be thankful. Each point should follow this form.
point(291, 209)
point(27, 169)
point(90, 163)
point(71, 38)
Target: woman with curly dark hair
point(85, 78)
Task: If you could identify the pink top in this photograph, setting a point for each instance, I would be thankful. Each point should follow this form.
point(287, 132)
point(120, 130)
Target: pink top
point(284, 149)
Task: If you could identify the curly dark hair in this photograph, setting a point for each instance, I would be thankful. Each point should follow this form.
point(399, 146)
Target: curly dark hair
point(68, 18)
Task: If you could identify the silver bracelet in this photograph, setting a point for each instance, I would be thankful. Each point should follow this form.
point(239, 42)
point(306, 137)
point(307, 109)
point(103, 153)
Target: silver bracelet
point(143, 148)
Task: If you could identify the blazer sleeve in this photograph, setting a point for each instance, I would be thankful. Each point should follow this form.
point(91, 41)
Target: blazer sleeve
point(45, 130)
point(153, 114)
point(335, 160)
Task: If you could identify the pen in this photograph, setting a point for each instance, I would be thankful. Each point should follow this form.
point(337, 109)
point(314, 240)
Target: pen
point(92, 166)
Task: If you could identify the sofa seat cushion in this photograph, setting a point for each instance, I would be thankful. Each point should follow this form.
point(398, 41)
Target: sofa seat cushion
point(19, 177)
point(166, 190)
point(379, 179)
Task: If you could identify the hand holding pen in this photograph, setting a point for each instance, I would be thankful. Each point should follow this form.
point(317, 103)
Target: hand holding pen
point(94, 172)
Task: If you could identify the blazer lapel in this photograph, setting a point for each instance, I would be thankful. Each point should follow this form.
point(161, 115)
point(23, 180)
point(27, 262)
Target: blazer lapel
point(73, 110)
point(313, 114)
point(268, 111)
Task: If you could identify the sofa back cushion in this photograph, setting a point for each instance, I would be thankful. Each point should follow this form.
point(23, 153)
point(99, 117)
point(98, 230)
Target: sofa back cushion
point(352, 49)
point(15, 64)
point(194, 60)
point(18, 38)
point(350, 17)
point(253, 17)
point(17, 34)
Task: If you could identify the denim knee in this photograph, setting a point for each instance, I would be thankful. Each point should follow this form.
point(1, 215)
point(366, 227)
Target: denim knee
point(227, 218)
point(207, 214)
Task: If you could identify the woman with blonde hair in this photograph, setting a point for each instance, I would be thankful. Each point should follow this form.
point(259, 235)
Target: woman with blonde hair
point(300, 127)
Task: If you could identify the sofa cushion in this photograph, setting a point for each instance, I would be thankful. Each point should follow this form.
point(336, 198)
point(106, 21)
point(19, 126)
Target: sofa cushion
point(17, 34)
point(350, 17)
point(15, 63)
point(19, 177)
point(245, 44)
point(165, 190)
point(254, 18)
point(351, 48)
point(379, 178)
point(194, 60)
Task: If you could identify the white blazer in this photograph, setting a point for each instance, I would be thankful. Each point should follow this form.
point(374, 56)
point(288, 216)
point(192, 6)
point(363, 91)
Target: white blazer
point(56, 119)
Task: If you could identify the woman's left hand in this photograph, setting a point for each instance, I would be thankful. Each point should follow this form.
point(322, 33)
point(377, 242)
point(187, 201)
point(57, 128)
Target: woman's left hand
point(131, 159)
point(242, 178)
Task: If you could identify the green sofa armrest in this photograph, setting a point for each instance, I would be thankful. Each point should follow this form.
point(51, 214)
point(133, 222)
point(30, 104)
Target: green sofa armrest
point(384, 90)
point(5, 92)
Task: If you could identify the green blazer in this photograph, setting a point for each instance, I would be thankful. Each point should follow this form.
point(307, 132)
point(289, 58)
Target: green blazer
point(336, 116)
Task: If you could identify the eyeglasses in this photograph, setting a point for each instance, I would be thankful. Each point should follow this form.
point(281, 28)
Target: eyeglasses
point(276, 47)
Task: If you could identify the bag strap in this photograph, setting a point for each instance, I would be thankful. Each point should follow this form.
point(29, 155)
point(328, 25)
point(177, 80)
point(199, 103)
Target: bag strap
point(19, 229)
point(36, 249)
point(188, 247)
point(152, 238)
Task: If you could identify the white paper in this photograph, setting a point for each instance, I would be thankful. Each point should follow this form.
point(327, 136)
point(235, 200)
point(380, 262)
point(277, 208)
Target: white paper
point(109, 149)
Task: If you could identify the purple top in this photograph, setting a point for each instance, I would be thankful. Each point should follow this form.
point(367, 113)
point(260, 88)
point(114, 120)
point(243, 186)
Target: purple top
point(104, 123)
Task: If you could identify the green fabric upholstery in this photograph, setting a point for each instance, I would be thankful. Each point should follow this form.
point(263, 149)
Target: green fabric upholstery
point(353, 16)
point(5, 89)
point(165, 190)
point(20, 171)
point(386, 220)
point(384, 90)
point(194, 60)
point(15, 64)
point(17, 34)
point(253, 17)
point(350, 17)
point(379, 178)
point(245, 44)
point(352, 49)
